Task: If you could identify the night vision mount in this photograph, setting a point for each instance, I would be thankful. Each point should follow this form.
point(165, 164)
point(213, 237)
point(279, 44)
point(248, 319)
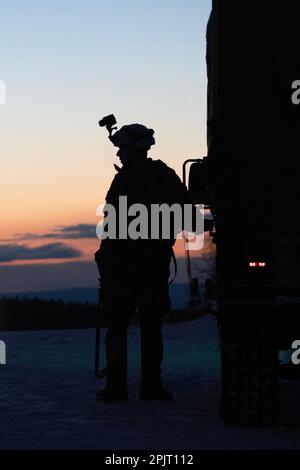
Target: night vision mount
point(108, 122)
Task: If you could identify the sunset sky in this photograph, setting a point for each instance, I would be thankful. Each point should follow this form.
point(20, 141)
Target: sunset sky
point(66, 64)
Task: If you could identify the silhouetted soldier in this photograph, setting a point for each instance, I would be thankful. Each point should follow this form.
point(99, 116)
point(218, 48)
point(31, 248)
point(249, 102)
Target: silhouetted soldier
point(135, 273)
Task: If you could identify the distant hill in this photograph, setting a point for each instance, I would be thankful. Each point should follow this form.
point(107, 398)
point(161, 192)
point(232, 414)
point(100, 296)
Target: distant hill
point(178, 293)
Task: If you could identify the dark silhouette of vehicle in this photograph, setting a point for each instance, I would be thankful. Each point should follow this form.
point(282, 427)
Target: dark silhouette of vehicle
point(252, 171)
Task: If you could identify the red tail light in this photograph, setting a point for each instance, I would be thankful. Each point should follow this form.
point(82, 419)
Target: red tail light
point(257, 264)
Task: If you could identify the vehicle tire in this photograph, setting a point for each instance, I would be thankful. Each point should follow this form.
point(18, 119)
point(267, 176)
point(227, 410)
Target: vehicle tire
point(249, 381)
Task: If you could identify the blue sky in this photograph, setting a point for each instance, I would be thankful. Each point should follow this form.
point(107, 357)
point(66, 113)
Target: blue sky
point(68, 63)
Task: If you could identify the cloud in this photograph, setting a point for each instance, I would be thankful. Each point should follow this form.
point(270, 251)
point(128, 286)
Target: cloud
point(78, 231)
point(16, 252)
point(68, 232)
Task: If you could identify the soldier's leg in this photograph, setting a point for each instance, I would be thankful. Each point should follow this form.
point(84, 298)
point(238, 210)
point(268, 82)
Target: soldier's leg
point(151, 347)
point(118, 304)
point(118, 307)
point(154, 304)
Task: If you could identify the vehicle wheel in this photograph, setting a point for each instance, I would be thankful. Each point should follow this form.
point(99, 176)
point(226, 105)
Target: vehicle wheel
point(249, 381)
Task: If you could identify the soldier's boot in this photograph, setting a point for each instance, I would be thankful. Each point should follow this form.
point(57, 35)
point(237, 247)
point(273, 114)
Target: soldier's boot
point(152, 389)
point(116, 354)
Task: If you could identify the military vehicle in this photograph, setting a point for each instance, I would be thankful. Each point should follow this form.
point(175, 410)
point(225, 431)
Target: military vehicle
point(252, 176)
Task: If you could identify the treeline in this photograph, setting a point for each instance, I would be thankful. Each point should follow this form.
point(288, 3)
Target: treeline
point(37, 314)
